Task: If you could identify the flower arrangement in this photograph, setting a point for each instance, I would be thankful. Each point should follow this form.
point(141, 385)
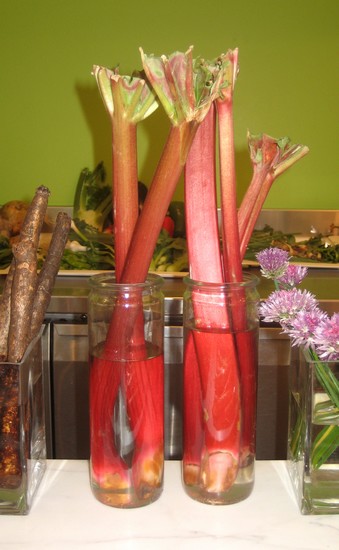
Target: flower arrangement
point(300, 317)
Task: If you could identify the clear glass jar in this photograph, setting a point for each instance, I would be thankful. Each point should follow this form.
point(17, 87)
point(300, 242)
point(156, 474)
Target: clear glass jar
point(22, 430)
point(221, 327)
point(126, 390)
point(313, 434)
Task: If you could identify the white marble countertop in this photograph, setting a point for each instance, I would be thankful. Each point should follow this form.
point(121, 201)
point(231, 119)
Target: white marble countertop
point(66, 516)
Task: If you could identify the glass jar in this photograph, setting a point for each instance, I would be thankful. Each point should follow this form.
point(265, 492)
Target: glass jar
point(221, 327)
point(22, 430)
point(313, 434)
point(126, 390)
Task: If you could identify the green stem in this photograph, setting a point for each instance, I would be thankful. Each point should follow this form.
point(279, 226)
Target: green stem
point(324, 445)
point(326, 378)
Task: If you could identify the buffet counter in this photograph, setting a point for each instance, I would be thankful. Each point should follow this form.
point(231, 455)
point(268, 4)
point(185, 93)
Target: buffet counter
point(66, 516)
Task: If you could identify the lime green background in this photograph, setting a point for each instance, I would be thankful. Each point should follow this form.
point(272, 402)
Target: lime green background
point(53, 122)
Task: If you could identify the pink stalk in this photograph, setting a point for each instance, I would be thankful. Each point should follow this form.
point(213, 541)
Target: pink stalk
point(201, 205)
point(193, 415)
point(109, 471)
point(128, 100)
point(214, 352)
point(145, 408)
point(232, 257)
point(270, 157)
point(247, 349)
point(184, 88)
point(230, 230)
point(173, 80)
point(125, 189)
point(157, 202)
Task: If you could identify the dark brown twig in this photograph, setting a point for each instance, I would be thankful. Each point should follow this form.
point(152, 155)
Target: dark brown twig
point(5, 312)
point(49, 271)
point(23, 291)
point(34, 219)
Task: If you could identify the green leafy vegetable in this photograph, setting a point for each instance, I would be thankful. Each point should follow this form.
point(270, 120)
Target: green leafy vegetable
point(170, 254)
point(93, 198)
point(89, 249)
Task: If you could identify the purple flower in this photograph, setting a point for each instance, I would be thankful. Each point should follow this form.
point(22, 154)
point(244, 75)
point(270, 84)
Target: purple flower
point(283, 305)
point(326, 338)
point(273, 262)
point(293, 275)
point(302, 326)
point(297, 311)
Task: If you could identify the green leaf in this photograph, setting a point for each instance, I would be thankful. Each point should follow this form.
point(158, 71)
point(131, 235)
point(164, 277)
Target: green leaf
point(131, 95)
point(185, 86)
point(328, 381)
point(324, 445)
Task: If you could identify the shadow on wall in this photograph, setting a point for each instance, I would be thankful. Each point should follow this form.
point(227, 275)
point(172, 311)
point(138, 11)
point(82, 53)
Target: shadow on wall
point(99, 124)
point(244, 172)
point(152, 133)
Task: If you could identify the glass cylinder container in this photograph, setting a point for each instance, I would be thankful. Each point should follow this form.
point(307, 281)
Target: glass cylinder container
point(22, 430)
point(221, 327)
point(313, 434)
point(126, 331)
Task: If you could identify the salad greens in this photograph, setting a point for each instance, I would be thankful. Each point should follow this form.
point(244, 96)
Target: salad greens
point(170, 254)
point(90, 249)
point(93, 198)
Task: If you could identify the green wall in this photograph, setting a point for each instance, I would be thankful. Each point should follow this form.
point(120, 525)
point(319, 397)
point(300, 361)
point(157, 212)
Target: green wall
point(53, 122)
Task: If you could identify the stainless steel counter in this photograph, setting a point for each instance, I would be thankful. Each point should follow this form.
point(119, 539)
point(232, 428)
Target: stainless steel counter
point(70, 292)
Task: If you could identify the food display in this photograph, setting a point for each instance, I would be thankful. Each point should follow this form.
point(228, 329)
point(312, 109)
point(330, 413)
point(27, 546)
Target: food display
point(90, 244)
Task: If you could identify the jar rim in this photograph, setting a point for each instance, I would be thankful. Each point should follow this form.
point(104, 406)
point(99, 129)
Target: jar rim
point(249, 281)
point(107, 281)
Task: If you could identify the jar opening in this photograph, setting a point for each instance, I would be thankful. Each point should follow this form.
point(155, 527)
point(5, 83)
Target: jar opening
point(108, 281)
point(249, 281)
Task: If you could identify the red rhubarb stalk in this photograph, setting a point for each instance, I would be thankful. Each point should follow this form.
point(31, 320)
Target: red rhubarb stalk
point(215, 387)
point(145, 407)
point(128, 101)
point(244, 366)
point(108, 469)
point(157, 201)
point(229, 217)
point(193, 428)
point(176, 84)
point(186, 91)
point(201, 205)
point(270, 157)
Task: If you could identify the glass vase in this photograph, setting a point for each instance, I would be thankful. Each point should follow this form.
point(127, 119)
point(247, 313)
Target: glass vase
point(126, 390)
point(313, 434)
point(22, 430)
point(221, 327)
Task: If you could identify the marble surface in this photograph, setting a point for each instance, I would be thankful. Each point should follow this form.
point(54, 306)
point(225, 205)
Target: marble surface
point(65, 515)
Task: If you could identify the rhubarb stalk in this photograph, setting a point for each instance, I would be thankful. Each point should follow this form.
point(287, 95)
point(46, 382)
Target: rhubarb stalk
point(128, 101)
point(270, 157)
point(214, 462)
point(186, 96)
point(186, 90)
point(228, 196)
